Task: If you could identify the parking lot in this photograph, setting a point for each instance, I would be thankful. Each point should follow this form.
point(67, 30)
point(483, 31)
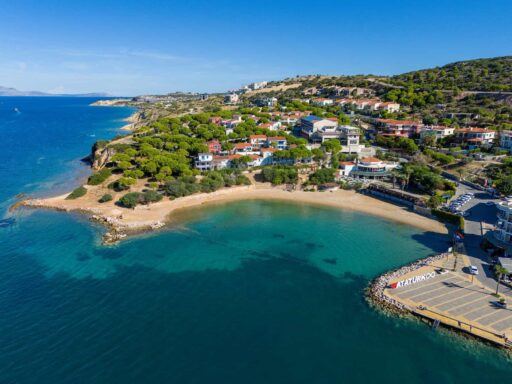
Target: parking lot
point(454, 296)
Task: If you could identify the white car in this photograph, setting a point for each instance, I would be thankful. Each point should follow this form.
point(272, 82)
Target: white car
point(489, 203)
point(473, 270)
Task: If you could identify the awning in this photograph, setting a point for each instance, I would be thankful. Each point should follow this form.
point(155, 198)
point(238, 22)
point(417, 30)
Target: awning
point(506, 262)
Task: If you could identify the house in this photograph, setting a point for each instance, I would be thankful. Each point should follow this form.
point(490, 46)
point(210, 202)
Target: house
point(258, 85)
point(437, 132)
point(258, 140)
point(204, 161)
point(345, 167)
point(475, 136)
point(506, 140)
point(272, 126)
point(310, 124)
point(322, 102)
point(231, 98)
point(389, 106)
point(214, 146)
point(347, 135)
point(243, 148)
point(266, 102)
point(278, 142)
point(368, 168)
point(401, 128)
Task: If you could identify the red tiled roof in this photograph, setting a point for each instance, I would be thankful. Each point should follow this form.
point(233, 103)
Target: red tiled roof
point(371, 160)
point(269, 149)
point(276, 138)
point(398, 122)
point(346, 163)
point(478, 130)
point(257, 137)
point(242, 145)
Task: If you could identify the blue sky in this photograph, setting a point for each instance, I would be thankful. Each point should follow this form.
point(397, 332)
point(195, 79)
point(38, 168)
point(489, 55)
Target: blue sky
point(134, 47)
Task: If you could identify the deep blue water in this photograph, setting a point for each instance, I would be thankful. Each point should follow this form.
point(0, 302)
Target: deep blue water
point(251, 292)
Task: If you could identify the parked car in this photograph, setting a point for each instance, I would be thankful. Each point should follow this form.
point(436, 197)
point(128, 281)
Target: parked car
point(473, 270)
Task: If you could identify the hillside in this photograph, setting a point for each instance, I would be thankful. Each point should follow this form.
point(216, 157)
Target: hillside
point(6, 91)
point(494, 74)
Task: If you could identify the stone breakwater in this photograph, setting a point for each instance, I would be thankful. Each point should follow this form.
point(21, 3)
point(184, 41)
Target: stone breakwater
point(116, 231)
point(116, 228)
point(375, 292)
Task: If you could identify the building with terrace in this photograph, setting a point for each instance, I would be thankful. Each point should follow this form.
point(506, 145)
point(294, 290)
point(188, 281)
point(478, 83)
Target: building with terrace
point(400, 128)
point(475, 136)
point(372, 168)
point(501, 237)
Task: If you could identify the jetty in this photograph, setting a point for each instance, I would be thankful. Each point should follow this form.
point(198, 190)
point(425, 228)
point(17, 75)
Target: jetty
point(442, 291)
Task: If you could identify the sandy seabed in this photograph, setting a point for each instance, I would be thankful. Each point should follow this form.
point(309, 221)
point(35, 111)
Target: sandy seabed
point(156, 215)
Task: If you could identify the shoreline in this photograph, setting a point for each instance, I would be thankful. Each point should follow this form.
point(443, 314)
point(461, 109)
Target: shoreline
point(377, 297)
point(133, 120)
point(121, 222)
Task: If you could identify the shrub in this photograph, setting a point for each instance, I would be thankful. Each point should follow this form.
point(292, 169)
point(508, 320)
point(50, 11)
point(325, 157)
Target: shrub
point(280, 174)
point(151, 197)
point(99, 177)
point(449, 217)
point(78, 192)
point(322, 176)
point(106, 197)
point(131, 199)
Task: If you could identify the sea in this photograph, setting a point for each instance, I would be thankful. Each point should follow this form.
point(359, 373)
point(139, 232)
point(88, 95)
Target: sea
point(248, 292)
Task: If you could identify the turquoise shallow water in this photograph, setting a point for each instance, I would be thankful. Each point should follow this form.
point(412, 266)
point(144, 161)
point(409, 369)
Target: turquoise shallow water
point(249, 292)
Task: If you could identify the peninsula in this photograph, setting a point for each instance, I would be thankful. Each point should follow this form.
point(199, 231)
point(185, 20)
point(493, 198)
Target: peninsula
point(413, 148)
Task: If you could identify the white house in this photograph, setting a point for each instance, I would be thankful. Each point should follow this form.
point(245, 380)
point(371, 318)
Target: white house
point(310, 124)
point(438, 132)
point(506, 140)
point(231, 98)
point(322, 102)
point(204, 161)
point(475, 136)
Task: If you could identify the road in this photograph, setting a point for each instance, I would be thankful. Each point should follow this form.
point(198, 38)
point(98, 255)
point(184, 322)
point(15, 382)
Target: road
point(480, 214)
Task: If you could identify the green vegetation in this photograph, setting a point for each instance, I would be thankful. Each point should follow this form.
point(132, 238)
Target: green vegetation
point(423, 178)
point(99, 177)
point(397, 143)
point(322, 176)
point(132, 199)
point(502, 176)
point(449, 218)
point(440, 157)
point(105, 198)
point(280, 174)
point(475, 75)
point(78, 192)
point(122, 184)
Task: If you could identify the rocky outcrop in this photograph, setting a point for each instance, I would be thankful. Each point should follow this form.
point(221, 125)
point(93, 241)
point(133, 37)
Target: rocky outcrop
point(375, 292)
point(101, 155)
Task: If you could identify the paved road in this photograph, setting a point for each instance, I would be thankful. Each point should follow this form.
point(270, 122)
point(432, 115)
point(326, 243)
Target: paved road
point(480, 213)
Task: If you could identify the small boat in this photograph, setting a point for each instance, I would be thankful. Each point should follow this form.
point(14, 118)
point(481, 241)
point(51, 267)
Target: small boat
point(16, 110)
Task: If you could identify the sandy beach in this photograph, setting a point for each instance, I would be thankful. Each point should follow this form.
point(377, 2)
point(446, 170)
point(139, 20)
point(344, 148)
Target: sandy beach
point(122, 221)
point(132, 121)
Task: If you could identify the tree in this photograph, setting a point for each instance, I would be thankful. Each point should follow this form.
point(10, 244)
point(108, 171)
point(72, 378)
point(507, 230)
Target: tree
point(106, 197)
point(343, 119)
point(322, 176)
point(131, 199)
point(333, 146)
point(500, 272)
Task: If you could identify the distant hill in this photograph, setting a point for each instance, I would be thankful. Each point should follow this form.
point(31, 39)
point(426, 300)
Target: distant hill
point(5, 91)
point(494, 74)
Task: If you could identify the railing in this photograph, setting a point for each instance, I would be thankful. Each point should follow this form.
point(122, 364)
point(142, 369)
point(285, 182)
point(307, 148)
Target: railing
point(466, 326)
